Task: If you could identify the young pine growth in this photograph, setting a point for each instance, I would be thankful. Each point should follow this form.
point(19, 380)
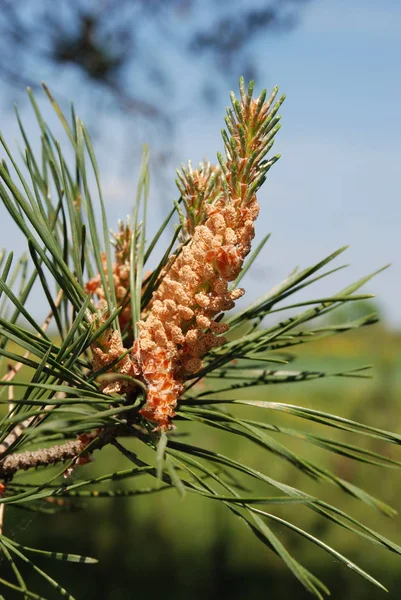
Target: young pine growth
point(138, 353)
point(181, 325)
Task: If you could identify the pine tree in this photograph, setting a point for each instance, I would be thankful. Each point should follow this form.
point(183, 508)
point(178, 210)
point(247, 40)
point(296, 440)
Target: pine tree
point(140, 354)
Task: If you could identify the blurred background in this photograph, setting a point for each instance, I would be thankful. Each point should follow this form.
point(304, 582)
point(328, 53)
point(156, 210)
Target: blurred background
point(159, 71)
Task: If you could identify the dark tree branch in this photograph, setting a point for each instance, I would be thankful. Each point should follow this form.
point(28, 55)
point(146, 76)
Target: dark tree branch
point(109, 45)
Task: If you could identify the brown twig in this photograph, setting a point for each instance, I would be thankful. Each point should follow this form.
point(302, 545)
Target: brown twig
point(10, 408)
point(14, 369)
point(73, 449)
point(9, 376)
point(39, 458)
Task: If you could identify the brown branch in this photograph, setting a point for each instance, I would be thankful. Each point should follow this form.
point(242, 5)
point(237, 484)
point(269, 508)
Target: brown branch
point(10, 408)
point(39, 458)
point(13, 369)
point(73, 449)
point(9, 376)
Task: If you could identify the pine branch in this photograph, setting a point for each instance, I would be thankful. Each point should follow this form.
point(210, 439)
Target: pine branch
point(138, 354)
point(78, 451)
point(39, 458)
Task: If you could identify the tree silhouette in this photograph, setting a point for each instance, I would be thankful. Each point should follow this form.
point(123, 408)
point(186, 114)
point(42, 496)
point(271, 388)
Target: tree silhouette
point(120, 50)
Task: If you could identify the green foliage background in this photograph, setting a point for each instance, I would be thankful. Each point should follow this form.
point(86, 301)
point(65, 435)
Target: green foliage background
point(162, 546)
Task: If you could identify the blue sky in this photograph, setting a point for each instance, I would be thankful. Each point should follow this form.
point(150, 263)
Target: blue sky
point(339, 178)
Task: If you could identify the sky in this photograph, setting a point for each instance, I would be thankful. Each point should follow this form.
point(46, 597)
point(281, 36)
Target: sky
point(339, 177)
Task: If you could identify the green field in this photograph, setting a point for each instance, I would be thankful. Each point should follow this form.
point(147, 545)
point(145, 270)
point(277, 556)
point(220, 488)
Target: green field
point(161, 546)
